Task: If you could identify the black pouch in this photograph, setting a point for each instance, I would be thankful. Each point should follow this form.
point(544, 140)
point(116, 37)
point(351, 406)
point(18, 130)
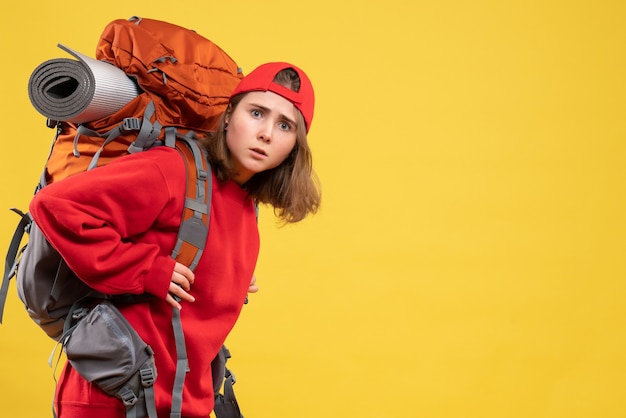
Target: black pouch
point(105, 349)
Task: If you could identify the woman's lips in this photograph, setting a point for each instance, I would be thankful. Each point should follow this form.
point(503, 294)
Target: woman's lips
point(259, 151)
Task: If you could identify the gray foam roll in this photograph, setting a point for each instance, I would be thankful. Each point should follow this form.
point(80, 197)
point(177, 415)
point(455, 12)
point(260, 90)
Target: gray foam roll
point(79, 90)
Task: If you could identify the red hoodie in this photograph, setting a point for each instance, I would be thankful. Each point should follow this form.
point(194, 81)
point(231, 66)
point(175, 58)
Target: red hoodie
point(116, 227)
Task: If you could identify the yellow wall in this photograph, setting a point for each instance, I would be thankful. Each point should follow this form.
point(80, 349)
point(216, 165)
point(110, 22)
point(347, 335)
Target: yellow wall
point(469, 257)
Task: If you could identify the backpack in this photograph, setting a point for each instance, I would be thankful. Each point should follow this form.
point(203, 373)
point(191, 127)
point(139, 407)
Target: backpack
point(180, 85)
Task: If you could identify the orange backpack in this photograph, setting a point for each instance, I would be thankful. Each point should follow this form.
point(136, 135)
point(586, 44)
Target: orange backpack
point(183, 85)
point(186, 77)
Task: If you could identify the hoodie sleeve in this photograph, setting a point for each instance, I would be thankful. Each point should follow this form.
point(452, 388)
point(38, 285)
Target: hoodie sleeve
point(116, 225)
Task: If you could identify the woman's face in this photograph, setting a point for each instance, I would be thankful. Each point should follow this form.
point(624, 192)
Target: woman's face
point(261, 132)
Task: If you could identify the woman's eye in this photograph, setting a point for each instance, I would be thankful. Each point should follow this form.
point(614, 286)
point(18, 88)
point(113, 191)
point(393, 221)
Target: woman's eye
point(256, 113)
point(285, 126)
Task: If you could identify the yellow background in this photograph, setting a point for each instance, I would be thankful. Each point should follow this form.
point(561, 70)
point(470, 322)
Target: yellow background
point(468, 260)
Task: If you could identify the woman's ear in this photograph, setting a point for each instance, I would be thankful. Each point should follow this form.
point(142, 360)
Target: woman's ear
point(227, 114)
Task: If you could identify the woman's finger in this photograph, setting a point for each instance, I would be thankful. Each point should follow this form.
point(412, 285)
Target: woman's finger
point(169, 299)
point(185, 272)
point(178, 291)
point(182, 276)
point(181, 281)
point(253, 288)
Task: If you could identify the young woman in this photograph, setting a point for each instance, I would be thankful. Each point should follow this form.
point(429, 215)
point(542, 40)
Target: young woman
point(116, 227)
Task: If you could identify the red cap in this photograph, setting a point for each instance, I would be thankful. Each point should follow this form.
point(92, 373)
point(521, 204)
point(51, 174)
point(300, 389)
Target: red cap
point(261, 79)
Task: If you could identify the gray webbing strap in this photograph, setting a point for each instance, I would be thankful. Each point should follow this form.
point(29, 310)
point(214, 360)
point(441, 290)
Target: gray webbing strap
point(141, 403)
point(170, 136)
point(147, 135)
point(10, 262)
point(147, 380)
point(129, 399)
point(147, 375)
point(226, 405)
point(182, 365)
point(148, 131)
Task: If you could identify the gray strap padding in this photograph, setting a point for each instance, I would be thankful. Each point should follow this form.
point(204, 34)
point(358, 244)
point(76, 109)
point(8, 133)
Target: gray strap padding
point(194, 230)
point(202, 175)
point(195, 205)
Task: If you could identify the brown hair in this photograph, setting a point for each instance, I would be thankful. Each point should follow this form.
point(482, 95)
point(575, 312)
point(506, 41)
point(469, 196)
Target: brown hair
point(292, 188)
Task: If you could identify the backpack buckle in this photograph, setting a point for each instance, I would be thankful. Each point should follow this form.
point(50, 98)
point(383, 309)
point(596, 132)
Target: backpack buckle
point(127, 396)
point(147, 377)
point(80, 313)
point(130, 124)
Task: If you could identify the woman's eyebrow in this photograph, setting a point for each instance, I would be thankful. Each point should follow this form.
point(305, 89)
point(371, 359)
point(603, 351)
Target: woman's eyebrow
point(281, 116)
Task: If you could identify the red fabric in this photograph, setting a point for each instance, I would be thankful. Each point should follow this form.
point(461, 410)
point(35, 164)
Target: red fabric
point(116, 226)
point(82, 399)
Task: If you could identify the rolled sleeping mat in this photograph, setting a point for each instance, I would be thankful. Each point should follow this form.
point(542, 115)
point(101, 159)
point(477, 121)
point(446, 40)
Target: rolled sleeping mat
point(79, 90)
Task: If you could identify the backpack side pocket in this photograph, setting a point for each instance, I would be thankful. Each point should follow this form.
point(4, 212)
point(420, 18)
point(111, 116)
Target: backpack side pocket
point(106, 350)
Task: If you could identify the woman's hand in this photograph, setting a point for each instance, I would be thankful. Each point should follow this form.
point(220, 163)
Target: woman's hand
point(253, 286)
point(182, 279)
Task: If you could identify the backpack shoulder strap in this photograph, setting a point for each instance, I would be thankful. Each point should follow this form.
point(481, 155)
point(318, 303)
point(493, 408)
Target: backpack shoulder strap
point(194, 228)
point(190, 243)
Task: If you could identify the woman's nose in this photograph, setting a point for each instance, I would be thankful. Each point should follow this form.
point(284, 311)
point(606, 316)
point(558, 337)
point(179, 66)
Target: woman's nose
point(265, 134)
